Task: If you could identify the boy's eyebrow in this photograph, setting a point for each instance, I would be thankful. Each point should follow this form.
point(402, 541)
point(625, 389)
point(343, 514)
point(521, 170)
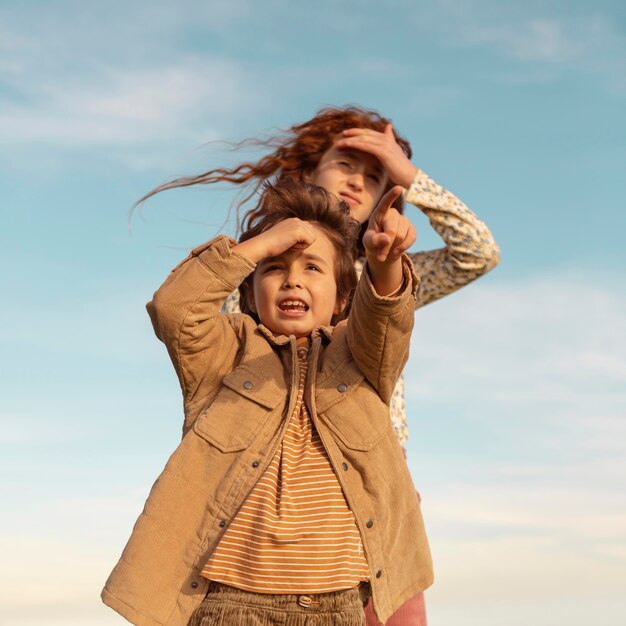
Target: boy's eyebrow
point(315, 257)
point(307, 255)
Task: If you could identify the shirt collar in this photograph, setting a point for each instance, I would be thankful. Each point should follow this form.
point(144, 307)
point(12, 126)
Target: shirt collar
point(325, 332)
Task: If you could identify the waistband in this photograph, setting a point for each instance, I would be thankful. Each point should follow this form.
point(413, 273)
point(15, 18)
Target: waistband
point(356, 597)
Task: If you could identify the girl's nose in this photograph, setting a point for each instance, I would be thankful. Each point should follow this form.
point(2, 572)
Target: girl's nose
point(356, 181)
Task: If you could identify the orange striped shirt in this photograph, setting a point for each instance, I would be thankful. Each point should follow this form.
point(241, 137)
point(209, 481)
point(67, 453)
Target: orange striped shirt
point(295, 532)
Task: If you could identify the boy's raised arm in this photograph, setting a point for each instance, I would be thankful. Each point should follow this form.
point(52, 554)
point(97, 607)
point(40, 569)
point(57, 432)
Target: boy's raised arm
point(381, 318)
point(290, 233)
point(185, 311)
point(389, 234)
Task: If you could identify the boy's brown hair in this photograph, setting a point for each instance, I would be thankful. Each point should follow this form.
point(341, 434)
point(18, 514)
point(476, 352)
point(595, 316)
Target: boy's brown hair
point(310, 203)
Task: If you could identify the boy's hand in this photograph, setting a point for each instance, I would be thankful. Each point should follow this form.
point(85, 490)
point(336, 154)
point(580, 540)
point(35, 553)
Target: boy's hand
point(385, 148)
point(389, 233)
point(290, 233)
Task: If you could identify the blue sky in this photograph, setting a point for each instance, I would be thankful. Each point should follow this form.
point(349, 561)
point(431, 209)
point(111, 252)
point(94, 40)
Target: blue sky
point(516, 390)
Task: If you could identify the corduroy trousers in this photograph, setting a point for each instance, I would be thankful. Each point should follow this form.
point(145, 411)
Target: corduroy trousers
point(228, 606)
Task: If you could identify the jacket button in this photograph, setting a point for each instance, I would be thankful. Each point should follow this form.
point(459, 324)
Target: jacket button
point(379, 574)
point(255, 464)
point(194, 585)
point(222, 523)
point(344, 466)
point(248, 384)
point(341, 387)
point(369, 523)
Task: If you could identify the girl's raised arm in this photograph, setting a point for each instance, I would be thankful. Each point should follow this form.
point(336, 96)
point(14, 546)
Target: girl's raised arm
point(470, 249)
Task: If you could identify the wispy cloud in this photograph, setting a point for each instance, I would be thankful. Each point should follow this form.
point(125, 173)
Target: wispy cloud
point(535, 372)
point(97, 81)
point(548, 40)
point(546, 337)
point(541, 41)
point(120, 106)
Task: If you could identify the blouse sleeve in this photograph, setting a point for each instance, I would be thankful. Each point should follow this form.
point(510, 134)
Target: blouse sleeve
point(470, 250)
point(231, 304)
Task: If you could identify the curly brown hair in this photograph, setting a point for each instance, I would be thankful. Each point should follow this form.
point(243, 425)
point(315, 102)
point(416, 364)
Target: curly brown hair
point(294, 198)
point(296, 151)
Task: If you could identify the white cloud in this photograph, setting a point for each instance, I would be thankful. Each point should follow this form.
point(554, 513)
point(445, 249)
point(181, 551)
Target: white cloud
point(541, 42)
point(524, 31)
point(515, 582)
point(538, 510)
point(98, 80)
point(68, 575)
point(535, 371)
point(553, 338)
point(120, 106)
point(17, 430)
point(536, 368)
point(546, 40)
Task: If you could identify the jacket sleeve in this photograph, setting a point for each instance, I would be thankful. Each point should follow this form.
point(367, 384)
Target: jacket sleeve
point(470, 249)
point(379, 330)
point(185, 313)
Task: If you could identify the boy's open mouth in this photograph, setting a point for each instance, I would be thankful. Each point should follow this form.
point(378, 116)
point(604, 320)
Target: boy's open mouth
point(293, 306)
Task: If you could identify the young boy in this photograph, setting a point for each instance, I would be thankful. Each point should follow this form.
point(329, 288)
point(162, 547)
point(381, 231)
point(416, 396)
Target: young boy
point(289, 491)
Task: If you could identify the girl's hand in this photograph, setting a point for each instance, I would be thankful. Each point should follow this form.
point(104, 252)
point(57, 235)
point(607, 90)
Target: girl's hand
point(384, 147)
point(389, 233)
point(290, 233)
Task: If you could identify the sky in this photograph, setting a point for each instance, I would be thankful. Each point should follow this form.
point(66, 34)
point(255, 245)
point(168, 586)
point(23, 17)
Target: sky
point(516, 384)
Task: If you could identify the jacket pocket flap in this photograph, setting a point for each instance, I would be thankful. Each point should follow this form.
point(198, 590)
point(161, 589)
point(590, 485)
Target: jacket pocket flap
point(239, 410)
point(351, 408)
point(360, 421)
point(337, 386)
point(257, 388)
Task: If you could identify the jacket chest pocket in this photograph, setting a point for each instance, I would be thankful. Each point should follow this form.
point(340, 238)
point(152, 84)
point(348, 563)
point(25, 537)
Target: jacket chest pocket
point(239, 410)
point(352, 409)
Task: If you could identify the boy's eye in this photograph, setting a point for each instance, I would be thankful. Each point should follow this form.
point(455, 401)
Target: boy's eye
point(272, 268)
point(312, 266)
point(374, 177)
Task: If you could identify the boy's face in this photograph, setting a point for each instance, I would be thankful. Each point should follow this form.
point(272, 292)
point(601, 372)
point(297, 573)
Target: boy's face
point(356, 177)
point(296, 291)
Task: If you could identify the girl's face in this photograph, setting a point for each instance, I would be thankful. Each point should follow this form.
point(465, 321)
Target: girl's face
point(356, 177)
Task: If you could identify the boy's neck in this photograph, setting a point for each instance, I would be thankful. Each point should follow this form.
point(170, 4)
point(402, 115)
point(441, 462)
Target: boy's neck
point(303, 341)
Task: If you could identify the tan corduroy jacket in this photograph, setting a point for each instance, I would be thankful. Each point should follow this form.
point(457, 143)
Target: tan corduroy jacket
point(239, 383)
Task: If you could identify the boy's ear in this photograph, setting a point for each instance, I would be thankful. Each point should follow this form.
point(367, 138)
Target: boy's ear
point(250, 299)
point(340, 305)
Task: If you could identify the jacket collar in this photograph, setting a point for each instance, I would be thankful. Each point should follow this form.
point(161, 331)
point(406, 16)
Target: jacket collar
point(325, 332)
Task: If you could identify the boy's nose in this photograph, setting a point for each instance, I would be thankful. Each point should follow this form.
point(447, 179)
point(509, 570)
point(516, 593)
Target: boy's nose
point(292, 279)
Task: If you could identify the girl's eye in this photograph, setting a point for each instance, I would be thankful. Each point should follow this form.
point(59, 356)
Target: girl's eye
point(313, 267)
point(345, 163)
point(374, 177)
point(272, 268)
